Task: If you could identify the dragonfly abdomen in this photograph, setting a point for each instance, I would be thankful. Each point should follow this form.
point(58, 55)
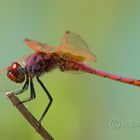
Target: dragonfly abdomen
point(86, 68)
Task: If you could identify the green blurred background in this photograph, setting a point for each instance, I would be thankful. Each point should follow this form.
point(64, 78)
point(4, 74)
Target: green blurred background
point(85, 106)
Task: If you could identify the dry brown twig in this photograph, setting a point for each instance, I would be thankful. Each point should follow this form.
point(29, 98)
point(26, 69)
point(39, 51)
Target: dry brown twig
point(29, 117)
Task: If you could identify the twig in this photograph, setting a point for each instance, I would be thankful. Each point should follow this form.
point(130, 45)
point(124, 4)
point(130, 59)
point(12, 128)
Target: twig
point(29, 117)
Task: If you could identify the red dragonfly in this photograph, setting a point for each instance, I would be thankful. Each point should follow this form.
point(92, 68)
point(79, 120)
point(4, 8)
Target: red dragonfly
point(71, 55)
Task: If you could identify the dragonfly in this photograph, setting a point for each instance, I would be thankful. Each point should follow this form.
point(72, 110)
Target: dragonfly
point(71, 55)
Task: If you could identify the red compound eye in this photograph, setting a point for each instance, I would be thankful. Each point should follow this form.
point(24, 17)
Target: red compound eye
point(16, 73)
point(11, 76)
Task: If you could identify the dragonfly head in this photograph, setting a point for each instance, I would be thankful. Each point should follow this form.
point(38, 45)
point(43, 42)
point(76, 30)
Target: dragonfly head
point(16, 72)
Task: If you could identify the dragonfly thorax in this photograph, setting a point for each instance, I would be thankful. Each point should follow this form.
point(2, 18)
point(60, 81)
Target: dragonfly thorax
point(16, 72)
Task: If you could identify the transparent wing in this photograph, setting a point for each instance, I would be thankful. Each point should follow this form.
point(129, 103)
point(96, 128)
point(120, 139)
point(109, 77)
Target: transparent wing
point(72, 43)
point(76, 45)
point(39, 47)
point(6, 85)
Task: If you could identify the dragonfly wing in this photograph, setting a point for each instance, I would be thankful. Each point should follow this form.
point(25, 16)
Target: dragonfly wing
point(76, 45)
point(39, 47)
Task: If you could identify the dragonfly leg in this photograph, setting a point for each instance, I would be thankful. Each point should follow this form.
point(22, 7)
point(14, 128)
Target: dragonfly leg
point(49, 96)
point(25, 87)
point(32, 90)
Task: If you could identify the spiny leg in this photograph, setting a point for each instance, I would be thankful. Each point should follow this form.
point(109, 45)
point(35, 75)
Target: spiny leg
point(24, 88)
point(49, 96)
point(32, 92)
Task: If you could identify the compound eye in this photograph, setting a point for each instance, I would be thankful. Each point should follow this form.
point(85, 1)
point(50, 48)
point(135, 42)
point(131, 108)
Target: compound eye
point(11, 76)
point(16, 73)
